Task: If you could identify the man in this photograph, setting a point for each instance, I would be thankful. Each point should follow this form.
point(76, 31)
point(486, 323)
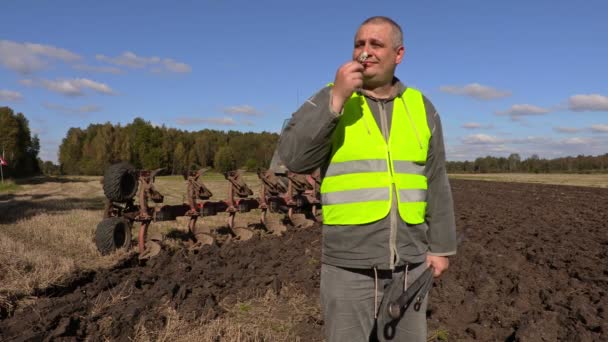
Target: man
point(387, 204)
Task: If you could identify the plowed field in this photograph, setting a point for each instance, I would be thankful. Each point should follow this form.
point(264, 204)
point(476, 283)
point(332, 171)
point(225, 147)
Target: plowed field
point(532, 265)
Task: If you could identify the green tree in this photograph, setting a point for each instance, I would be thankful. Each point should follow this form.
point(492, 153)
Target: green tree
point(224, 159)
point(180, 160)
point(48, 168)
point(514, 161)
point(20, 148)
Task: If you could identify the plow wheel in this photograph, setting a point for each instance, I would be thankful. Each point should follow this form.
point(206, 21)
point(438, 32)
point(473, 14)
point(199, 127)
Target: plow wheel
point(112, 233)
point(120, 182)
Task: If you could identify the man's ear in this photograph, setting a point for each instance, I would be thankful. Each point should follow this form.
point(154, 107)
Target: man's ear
point(400, 53)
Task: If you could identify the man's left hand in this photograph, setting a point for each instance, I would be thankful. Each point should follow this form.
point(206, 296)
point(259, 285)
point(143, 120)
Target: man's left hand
point(440, 263)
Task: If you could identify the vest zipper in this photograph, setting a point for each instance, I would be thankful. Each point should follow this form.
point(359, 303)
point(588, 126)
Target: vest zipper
point(392, 243)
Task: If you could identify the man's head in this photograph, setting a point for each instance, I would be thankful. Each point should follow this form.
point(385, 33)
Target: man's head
point(382, 39)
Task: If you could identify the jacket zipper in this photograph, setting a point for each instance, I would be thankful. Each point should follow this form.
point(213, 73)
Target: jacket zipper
point(393, 220)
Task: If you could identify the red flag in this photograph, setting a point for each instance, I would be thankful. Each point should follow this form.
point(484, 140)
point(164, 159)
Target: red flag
point(3, 162)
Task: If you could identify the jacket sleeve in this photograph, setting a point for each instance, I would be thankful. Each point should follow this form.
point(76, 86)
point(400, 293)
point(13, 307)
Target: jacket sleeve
point(440, 208)
point(305, 143)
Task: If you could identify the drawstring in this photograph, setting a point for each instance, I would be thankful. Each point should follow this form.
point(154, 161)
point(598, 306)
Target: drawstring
point(405, 277)
point(375, 293)
point(407, 266)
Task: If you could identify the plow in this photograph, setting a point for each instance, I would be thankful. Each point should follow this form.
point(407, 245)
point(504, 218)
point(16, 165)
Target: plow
point(132, 199)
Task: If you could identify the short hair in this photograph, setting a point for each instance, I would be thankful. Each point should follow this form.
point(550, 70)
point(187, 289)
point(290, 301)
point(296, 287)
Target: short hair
point(397, 35)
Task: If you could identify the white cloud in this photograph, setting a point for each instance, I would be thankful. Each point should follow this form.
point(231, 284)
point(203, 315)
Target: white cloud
point(518, 110)
point(244, 109)
point(72, 87)
point(101, 69)
point(465, 152)
point(476, 90)
point(481, 139)
point(128, 59)
point(27, 82)
point(591, 102)
point(9, 95)
point(26, 58)
point(67, 110)
point(471, 125)
point(530, 140)
point(484, 139)
point(226, 121)
point(576, 141)
point(566, 129)
point(524, 109)
point(599, 128)
point(476, 125)
point(54, 52)
point(99, 87)
point(545, 147)
point(175, 66)
point(156, 64)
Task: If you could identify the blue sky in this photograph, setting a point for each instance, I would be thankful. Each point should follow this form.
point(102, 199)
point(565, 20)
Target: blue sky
point(511, 77)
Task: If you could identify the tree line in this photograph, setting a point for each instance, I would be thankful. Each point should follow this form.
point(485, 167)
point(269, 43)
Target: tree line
point(19, 146)
point(533, 164)
point(89, 151)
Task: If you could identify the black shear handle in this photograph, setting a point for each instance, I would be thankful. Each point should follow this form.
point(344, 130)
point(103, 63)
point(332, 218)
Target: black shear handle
point(416, 291)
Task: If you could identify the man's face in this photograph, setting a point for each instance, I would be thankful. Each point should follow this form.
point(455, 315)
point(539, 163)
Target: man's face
point(383, 56)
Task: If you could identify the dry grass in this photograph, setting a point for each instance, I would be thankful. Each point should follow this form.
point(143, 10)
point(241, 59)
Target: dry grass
point(440, 335)
point(174, 187)
point(47, 227)
point(590, 180)
point(46, 233)
point(266, 318)
point(8, 186)
point(111, 297)
point(174, 190)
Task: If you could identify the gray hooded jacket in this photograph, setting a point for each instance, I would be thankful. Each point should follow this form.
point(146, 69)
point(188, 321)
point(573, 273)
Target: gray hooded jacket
point(305, 145)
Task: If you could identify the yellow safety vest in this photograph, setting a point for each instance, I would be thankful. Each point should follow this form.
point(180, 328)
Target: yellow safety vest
point(357, 187)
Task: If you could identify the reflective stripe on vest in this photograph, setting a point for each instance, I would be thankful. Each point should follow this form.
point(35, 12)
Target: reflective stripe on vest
point(358, 183)
point(356, 166)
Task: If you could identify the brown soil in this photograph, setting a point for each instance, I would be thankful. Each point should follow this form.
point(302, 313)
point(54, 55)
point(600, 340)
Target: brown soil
point(532, 265)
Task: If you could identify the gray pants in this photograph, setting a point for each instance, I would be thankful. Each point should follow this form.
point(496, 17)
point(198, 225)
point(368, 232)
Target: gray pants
point(348, 304)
